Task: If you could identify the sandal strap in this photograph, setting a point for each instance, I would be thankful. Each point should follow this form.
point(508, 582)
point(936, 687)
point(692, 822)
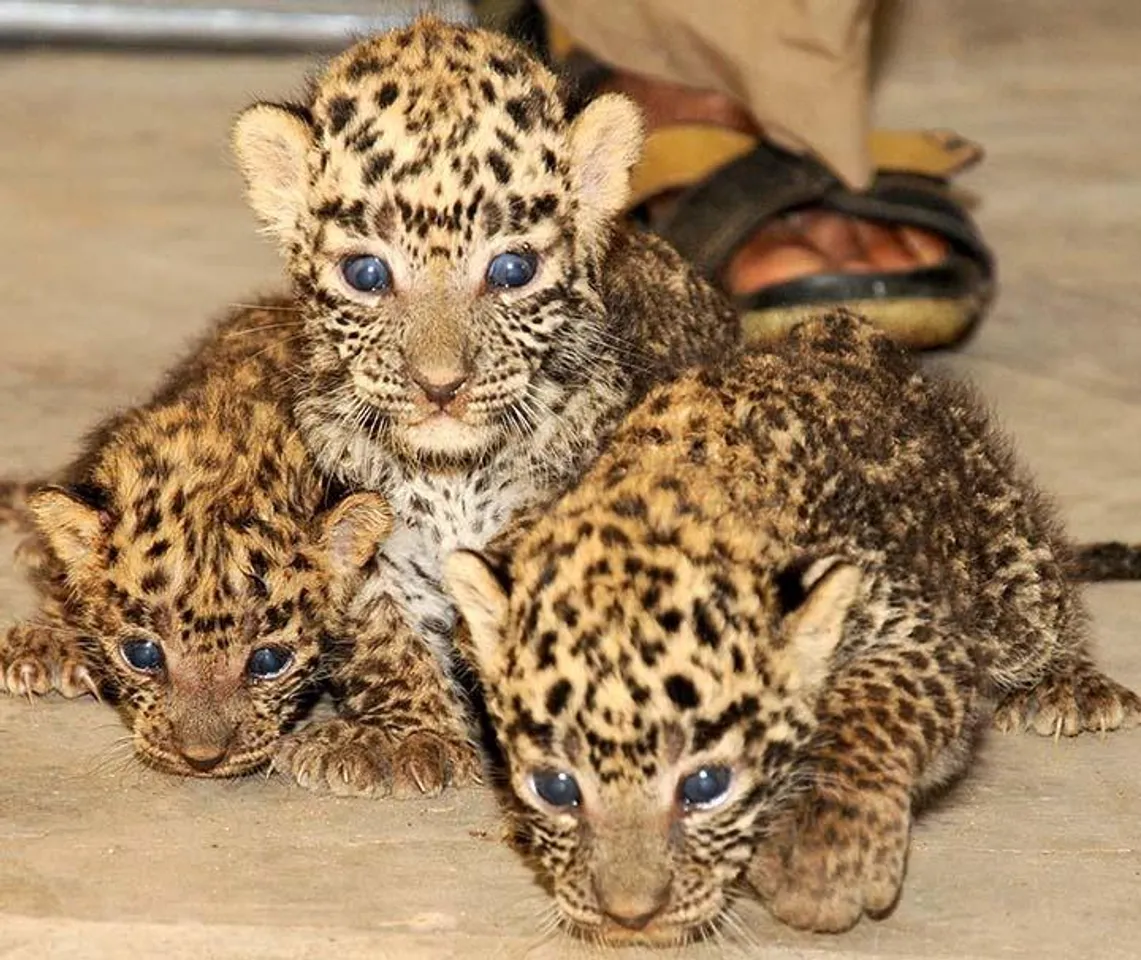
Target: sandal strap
point(932, 153)
point(679, 156)
point(716, 216)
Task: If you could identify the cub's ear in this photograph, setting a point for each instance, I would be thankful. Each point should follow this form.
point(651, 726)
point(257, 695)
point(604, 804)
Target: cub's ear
point(606, 142)
point(72, 527)
point(814, 597)
point(271, 144)
point(353, 529)
point(481, 590)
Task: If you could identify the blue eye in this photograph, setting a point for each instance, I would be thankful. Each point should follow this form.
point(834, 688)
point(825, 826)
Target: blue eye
point(556, 788)
point(705, 787)
point(265, 663)
point(368, 274)
point(512, 269)
point(143, 655)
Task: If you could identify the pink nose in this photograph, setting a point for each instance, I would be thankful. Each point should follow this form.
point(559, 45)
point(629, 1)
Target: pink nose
point(634, 909)
point(636, 921)
point(203, 757)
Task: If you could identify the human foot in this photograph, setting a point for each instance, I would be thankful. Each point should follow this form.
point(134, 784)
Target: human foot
point(801, 243)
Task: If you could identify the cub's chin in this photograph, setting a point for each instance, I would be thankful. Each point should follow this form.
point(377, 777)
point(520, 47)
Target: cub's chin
point(653, 935)
point(441, 438)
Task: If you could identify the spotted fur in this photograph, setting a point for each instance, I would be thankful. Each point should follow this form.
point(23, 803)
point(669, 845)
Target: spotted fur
point(813, 572)
point(435, 148)
point(191, 522)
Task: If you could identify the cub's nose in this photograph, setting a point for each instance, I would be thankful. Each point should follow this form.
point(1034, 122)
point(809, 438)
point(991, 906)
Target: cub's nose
point(637, 921)
point(203, 757)
point(440, 387)
point(634, 909)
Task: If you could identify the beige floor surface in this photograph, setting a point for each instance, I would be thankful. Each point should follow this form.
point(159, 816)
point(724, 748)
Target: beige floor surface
point(122, 231)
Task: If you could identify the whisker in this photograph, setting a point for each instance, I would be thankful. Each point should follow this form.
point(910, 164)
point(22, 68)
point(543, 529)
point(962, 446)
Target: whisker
point(116, 758)
point(267, 307)
point(275, 345)
point(247, 331)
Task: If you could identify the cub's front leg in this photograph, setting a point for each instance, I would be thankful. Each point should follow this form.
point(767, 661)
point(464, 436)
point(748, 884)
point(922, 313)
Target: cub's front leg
point(893, 721)
point(401, 730)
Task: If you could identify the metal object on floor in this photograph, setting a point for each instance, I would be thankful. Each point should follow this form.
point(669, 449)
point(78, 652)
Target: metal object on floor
point(263, 25)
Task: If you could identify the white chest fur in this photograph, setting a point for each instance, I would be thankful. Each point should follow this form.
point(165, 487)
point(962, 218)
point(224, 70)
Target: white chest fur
point(436, 514)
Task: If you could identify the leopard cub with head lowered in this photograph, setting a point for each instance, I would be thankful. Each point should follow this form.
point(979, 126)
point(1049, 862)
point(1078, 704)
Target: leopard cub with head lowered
point(190, 567)
point(770, 617)
point(475, 317)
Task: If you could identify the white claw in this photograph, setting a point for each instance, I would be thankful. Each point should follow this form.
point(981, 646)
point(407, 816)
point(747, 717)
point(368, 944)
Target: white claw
point(27, 671)
point(419, 780)
point(84, 679)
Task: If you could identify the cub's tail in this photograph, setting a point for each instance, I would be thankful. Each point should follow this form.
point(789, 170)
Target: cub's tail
point(1106, 561)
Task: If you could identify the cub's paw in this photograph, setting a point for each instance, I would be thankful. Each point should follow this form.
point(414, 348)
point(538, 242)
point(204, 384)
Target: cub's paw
point(357, 760)
point(830, 859)
point(347, 759)
point(425, 762)
point(31, 664)
point(1065, 704)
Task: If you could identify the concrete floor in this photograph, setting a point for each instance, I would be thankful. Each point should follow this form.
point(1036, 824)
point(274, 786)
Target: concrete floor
point(122, 231)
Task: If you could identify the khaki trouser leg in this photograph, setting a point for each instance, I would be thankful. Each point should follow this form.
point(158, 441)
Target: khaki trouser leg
point(799, 66)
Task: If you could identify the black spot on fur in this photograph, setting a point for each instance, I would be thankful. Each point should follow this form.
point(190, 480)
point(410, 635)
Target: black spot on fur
point(738, 660)
point(277, 617)
point(557, 697)
point(259, 563)
point(703, 626)
point(492, 218)
point(505, 68)
point(149, 522)
point(329, 210)
point(546, 650)
point(499, 166)
point(543, 207)
point(566, 612)
point(682, 691)
point(341, 113)
point(707, 732)
point(386, 95)
point(366, 65)
point(611, 536)
point(508, 142)
point(377, 167)
point(630, 507)
point(154, 581)
point(520, 110)
point(541, 734)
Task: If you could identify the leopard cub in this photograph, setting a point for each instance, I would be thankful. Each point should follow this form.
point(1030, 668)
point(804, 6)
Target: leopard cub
point(187, 563)
point(770, 618)
point(473, 316)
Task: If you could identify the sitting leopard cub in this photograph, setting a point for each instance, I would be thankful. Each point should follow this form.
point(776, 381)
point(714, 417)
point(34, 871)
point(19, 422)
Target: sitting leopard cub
point(767, 621)
point(473, 319)
point(185, 568)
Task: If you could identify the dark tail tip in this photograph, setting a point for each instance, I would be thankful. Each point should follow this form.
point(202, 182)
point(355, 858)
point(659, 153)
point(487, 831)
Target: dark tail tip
point(1106, 561)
